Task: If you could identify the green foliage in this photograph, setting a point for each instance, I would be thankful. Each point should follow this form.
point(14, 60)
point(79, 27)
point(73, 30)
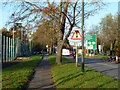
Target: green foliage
point(97, 51)
point(106, 31)
point(67, 75)
point(100, 56)
point(117, 47)
point(17, 76)
point(48, 31)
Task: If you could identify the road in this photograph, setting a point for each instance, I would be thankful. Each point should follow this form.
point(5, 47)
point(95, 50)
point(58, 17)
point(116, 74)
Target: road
point(108, 68)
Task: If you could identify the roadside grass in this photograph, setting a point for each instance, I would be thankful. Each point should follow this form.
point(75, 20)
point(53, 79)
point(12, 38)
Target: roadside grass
point(96, 56)
point(18, 76)
point(67, 75)
point(101, 56)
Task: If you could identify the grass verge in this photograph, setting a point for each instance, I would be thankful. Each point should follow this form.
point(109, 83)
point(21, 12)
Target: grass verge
point(67, 75)
point(96, 56)
point(18, 76)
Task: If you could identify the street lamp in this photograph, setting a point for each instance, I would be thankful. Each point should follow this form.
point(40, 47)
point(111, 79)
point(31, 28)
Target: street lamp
point(13, 34)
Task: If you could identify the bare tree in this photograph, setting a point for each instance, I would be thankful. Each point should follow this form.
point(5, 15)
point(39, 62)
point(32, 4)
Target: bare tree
point(65, 14)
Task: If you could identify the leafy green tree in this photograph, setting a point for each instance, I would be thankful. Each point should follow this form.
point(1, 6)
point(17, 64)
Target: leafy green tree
point(45, 35)
point(109, 30)
point(117, 47)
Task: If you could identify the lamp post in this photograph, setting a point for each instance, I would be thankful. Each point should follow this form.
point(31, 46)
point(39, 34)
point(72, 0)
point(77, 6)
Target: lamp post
point(13, 34)
point(82, 35)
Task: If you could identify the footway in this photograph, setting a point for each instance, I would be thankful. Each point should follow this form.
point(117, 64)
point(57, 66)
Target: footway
point(42, 77)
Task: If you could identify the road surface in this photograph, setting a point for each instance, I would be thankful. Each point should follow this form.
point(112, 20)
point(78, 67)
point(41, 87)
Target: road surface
point(108, 68)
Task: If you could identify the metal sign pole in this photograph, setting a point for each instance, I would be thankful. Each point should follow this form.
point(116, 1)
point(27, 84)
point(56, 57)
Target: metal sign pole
point(76, 56)
point(82, 35)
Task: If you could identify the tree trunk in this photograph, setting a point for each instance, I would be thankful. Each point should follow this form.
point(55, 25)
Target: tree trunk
point(111, 48)
point(103, 47)
point(59, 52)
point(50, 50)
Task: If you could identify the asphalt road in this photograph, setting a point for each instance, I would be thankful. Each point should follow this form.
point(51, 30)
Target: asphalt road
point(108, 68)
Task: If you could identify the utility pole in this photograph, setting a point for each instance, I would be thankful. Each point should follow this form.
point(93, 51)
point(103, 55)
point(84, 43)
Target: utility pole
point(82, 35)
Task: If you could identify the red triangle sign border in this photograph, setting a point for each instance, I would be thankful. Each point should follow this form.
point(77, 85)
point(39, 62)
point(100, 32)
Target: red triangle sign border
point(76, 38)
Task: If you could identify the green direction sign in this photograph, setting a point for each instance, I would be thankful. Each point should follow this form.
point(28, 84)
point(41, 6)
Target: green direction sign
point(91, 41)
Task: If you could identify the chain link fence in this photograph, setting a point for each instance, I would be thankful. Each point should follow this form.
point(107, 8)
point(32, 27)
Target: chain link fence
point(9, 52)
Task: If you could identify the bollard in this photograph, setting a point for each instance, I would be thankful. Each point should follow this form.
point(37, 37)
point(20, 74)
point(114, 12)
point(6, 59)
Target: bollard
point(90, 54)
point(116, 58)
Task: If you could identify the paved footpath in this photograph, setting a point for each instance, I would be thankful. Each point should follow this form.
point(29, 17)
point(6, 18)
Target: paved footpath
point(42, 78)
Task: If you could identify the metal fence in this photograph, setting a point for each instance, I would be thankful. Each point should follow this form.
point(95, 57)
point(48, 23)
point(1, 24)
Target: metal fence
point(9, 52)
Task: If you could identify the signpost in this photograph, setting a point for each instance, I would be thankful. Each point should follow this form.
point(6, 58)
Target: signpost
point(76, 36)
point(91, 41)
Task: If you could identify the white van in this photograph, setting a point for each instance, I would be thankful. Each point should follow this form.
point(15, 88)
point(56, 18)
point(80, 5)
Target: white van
point(65, 52)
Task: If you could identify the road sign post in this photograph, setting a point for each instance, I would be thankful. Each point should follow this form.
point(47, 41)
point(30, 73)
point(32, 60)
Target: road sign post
point(76, 56)
point(76, 36)
point(82, 35)
point(91, 41)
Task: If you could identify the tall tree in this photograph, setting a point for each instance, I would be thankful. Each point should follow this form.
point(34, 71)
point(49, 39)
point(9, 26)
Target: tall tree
point(45, 35)
point(66, 15)
point(109, 29)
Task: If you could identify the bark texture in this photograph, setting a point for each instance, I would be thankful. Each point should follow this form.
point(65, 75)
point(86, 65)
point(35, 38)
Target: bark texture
point(59, 52)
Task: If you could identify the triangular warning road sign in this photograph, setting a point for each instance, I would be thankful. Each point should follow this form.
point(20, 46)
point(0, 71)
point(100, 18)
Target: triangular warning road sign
point(76, 36)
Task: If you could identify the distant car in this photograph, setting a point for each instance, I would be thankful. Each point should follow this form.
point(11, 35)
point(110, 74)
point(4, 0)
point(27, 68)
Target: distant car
point(71, 53)
point(36, 52)
point(44, 52)
point(101, 53)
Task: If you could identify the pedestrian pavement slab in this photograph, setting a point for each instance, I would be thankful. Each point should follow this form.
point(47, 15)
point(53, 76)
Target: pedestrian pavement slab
point(42, 78)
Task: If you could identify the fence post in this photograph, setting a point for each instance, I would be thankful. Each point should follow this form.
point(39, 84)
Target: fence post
point(3, 48)
point(16, 50)
point(0, 48)
point(10, 49)
point(6, 49)
point(0, 61)
point(13, 49)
